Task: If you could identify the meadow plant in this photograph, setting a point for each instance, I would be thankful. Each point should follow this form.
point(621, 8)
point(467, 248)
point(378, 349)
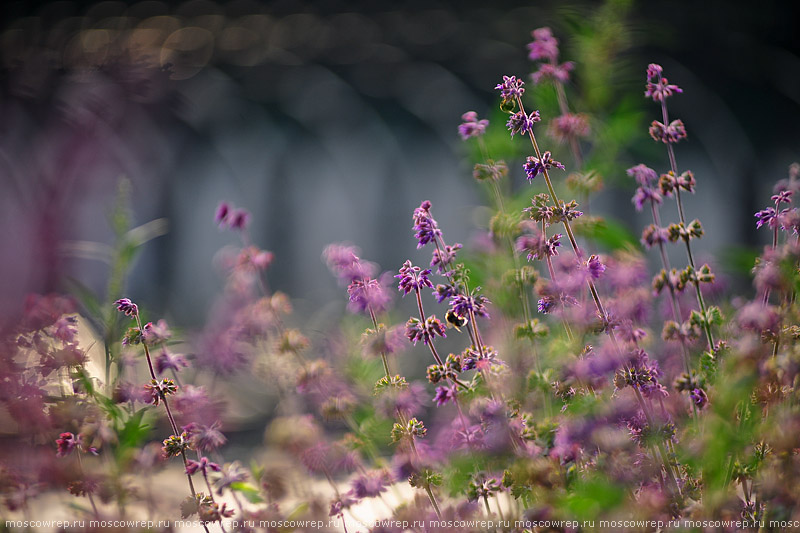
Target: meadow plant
point(589, 410)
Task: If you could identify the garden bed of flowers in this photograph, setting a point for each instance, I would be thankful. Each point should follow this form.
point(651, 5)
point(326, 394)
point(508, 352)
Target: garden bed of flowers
point(568, 386)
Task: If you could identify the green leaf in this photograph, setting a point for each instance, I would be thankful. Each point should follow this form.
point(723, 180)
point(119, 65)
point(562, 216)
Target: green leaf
point(248, 491)
point(608, 232)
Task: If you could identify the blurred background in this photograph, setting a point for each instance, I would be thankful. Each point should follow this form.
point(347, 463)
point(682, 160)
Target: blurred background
point(330, 121)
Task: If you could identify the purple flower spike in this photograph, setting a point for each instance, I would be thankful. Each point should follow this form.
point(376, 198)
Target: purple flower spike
point(125, 305)
point(544, 45)
point(595, 267)
point(442, 259)
point(699, 397)
point(444, 395)
point(767, 216)
point(203, 465)
point(425, 227)
point(644, 175)
point(510, 88)
point(644, 194)
point(521, 123)
point(782, 197)
point(472, 127)
point(534, 166)
point(462, 305)
point(413, 278)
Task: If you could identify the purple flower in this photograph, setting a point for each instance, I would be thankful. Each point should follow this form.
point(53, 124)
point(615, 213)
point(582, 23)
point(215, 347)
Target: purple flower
point(537, 246)
point(699, 397)
point(546, 304)
point(239, 219)
point(203, 465)
point(413, 278)
point(444, 292)
point(417, 331)
point(441, 259)
point(643, 175)
point(424, 225)
point(169, 361)
point(156, 333)
point(782, 197)
point(462, 305)
point(551, 71)
point(569, 126)
point(445, 394)
point(668, 134)
point(371, 484)
point(535, 166)
point(345, 264)
point(366, 294)
point(595, 267)
point(472, 127)
point(521, 123)
point(125, 305)
point(221, 215)
point(644, 194)
point(658, 88)
point(204, 438)
point(511, 87)
point(544, 45)
point(767, 216)
point(758, 317)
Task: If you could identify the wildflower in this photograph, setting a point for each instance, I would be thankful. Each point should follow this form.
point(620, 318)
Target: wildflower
point(345, 264)
point(472, 127)
point(441, 259)
point(767, 216)
point(156, 333)
point(569, 126)
point(342, 502)
point(537, 246)
point(65, 443)
point(204, 438)
point(644, 175)
point(239, 219)
point(445, 394)
point(521, 123)
point(657, 87)
point(371, 484)
point(413, 278)
point(699, 397)
point(159, 390)
point(644, 194)
point(417, 331)
point(413, 428)
point(546, 304)
point(464, 305)
point(758, 317)
point(670, 134)
point(483, 487)
point(383, 340)
point(552, 71)
point(653, 235)
point(510, 88)
point(203, 465)
point(125, 305)
point(221, 214)
point(175, 445)
point(444, 292)
point(473, 358)
point(368, 294)
point(544, 45)
point(229, 474)
point(535, 166)
point(424, 225)
point(595, 267)
point(64, 329)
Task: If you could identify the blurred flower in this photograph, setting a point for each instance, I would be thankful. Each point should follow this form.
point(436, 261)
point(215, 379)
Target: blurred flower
point(553, 72)
point(203, 465)
point(569, 126)
point(371, 484)
point(166, 360)
point(544, 45)
point(672, 133)
point(471, 126)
